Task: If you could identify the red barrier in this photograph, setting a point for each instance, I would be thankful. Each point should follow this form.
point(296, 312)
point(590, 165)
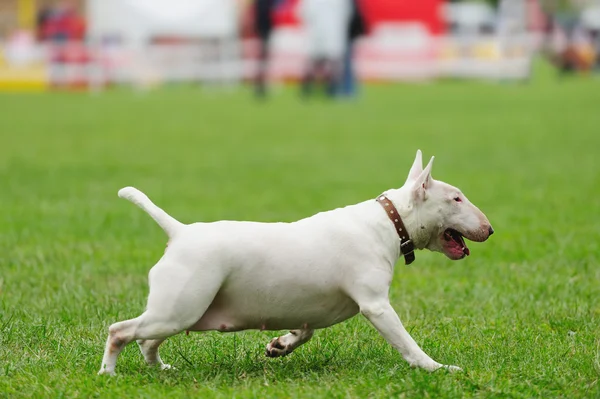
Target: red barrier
point(427, 12)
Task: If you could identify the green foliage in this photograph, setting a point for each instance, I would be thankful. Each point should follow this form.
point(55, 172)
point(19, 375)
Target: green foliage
point(520, 315)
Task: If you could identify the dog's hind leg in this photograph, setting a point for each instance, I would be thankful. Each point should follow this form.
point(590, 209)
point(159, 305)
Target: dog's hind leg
point(170, 310)
point(284, 345)
point(147, 326)
point(149, 348)
point(119, 335)
point(150, 326)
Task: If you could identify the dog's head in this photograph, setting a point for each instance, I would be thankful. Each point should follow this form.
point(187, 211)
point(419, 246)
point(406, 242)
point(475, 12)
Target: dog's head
point(442, 214)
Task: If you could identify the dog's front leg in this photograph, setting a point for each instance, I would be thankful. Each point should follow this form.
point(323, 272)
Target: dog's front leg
point(387, 322)
point(284, 345)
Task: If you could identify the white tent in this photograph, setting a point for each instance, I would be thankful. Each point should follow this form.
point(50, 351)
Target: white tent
point(124, 31)
point(141, 19)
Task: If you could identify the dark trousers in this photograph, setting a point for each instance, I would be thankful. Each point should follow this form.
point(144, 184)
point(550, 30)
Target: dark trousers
point(326, 72)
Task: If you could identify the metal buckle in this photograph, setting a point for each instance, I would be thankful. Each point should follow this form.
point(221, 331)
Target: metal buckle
point(404, 244)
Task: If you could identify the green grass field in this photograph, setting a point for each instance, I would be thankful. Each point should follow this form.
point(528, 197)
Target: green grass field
point(520, 315)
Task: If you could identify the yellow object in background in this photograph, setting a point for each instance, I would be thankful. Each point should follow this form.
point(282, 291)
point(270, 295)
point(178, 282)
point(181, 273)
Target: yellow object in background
point(31, 76)
point(26, 10)
point(587, 54)
point(486, 51)
point(34, 78)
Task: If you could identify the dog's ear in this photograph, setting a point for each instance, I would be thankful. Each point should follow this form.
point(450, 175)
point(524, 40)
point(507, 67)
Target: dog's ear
point(423, 182)
point(416, 168)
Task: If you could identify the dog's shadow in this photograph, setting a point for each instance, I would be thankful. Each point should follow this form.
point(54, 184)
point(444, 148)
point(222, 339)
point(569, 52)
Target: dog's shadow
point(250, 361)
point(292, 369)
point(231, 361)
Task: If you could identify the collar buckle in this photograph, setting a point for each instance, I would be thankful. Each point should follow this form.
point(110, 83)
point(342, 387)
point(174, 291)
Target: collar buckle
point(407, 247)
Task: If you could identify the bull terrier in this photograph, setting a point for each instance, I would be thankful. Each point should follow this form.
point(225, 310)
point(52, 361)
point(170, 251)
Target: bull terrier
point(299, 276)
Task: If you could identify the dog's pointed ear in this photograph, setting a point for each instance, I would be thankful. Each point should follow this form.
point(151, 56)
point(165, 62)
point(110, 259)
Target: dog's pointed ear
point(423, 182)
point(416, 168)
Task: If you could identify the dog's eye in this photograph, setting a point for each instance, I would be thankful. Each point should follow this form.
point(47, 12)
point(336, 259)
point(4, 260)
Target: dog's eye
point(457, 199)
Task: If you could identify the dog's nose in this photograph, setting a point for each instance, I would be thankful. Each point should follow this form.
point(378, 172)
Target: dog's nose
point(491, 231)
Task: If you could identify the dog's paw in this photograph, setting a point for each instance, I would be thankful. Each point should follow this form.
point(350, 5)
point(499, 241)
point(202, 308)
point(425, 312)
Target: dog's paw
point(104, 371)
point(276, 349)
point(453, 369)
point(435, 366)
point(449, 368)
point(165, 366)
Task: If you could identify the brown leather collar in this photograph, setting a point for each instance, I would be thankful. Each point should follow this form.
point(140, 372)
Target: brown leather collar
point(406, 245)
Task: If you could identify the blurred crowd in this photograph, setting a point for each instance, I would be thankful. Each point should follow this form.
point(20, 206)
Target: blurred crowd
point(59, 22)
point(332, 27)
point(572, 40)
point(569, 37)
point(425, 39)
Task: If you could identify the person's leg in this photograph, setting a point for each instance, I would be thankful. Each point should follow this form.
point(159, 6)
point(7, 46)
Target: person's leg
point(347, 86)
point(309, 77)
point(333, 71)
point(349, 75)
point(260, 84)
point(342, 89)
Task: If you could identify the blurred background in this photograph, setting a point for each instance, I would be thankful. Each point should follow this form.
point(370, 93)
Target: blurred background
point(100, 94)
point(95, 44)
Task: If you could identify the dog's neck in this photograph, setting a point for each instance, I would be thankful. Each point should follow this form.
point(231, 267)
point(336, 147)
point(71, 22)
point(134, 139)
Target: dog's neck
point(402, 200)
point(375, 218)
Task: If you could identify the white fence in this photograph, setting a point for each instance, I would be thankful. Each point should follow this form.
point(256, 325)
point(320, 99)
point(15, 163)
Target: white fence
point(392, 53)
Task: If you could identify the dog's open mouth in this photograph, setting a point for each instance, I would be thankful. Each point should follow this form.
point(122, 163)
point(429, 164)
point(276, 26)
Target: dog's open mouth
point(455, 247)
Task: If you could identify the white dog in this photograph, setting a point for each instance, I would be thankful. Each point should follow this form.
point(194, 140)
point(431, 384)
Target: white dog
point(302, 276)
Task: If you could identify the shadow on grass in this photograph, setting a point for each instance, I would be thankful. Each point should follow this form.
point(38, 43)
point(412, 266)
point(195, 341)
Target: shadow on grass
point(306, 369)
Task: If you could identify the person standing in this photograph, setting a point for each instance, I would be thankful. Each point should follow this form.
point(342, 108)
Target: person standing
point(326, 24)
point(263, 24)
point(356, 28)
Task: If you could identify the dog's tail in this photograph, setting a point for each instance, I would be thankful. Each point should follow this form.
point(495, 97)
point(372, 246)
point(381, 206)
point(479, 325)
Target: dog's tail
point(169, 224)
